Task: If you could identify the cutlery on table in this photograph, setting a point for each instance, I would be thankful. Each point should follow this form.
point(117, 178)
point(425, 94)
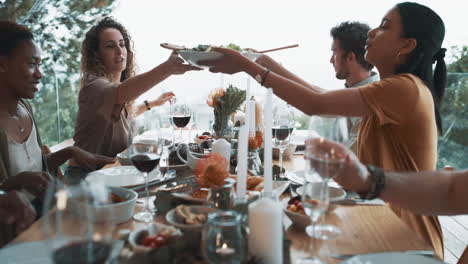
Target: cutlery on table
point(410, 252)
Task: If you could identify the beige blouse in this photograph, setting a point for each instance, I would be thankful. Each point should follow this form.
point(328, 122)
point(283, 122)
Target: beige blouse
point(102, 126)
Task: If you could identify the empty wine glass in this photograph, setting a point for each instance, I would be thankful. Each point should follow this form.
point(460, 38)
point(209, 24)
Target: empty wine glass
point(283, 126)
point(315, 199)
point(180, 115)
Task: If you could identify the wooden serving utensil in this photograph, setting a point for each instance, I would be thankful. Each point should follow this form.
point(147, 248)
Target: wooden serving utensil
point(281, 48)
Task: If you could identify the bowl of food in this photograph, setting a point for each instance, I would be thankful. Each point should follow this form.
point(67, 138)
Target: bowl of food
point(195, 56)
point(154, 236)
point(295, 212)
point(117, 207)
point(189, 217)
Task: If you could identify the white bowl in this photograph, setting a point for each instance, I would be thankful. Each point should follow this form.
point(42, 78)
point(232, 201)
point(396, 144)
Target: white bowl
point(113, 212)
point(136, 236)
point(299, 220)
point(172, 219)
point(194, 56)
point(124, 158)
point(288, 152)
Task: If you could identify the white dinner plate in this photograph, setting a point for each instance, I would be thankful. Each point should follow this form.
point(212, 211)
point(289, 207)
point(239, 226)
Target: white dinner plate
point(297, 177)
point(121, 176)
point(390, 258)
point(336, 194)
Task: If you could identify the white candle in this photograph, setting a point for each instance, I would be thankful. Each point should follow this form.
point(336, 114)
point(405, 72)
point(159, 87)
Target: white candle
point(268, 120)
point(266, 232)
point(242, 162)
point(251, 107)
point(224, 148)
point(225, 250)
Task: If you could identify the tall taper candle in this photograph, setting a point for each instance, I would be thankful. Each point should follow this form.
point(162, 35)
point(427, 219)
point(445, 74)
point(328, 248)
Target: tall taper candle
point(268, 122)
point(242, 161)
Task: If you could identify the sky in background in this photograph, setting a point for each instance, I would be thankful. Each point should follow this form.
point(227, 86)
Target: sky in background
point(259, 24)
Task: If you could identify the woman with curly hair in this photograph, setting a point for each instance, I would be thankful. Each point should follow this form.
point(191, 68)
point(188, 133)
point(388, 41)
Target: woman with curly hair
point(109, 86)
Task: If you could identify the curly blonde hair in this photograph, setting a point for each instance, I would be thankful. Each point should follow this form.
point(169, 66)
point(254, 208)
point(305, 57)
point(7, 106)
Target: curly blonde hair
point(90, 61)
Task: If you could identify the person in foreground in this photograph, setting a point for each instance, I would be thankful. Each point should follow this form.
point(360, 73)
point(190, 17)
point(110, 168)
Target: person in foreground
point(424, 192)
point(109, 86)
point(23, 164)
point(16, 215)
point(400, 113)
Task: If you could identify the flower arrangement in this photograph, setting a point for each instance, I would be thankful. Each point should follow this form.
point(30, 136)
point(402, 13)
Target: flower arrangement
point(224, 103)
point(211, 172)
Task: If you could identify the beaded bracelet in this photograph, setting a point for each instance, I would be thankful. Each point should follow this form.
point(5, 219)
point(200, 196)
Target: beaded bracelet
point(377, 177)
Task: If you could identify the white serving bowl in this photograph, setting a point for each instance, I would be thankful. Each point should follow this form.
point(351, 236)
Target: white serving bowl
point(194, 57)
point(113, 212)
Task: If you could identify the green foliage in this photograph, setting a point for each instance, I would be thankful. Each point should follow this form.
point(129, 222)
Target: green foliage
point(226, 105)
point(453, 144)
point(59, 27)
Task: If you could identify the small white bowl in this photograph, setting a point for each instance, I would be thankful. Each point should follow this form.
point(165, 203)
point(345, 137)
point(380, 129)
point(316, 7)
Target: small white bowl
point(136, 236)
point(172, 219)
point(113, 212)
point(288, 152)
point(124, 159)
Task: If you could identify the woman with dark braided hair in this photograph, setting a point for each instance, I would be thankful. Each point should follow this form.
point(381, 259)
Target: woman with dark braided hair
point(109, 86)
point(400, 116)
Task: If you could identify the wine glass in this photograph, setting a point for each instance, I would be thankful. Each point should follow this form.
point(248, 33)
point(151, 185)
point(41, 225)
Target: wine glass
point(145, 156)
point(180, 115)
point(326, 162)
point(283, 126)
point(315, 198)
point(79, 223)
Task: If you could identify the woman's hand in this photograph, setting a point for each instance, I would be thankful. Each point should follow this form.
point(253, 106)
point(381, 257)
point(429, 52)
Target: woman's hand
point(35, 182)
point(352, 176)
point(175, 65)
point(164, 97)
point(16, 215)
point(88, 160)
point(231, 62)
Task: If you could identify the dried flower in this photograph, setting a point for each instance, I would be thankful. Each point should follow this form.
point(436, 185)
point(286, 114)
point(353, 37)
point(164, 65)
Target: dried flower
point(214, 97)
point(257, 141)
point(212, 171)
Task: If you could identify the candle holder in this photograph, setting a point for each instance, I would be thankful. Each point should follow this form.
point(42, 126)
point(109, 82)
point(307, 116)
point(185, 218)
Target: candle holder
point(223, 240)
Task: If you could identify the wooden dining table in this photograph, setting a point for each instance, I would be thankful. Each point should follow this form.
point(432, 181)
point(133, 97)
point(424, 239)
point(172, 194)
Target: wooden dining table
point(365, 229)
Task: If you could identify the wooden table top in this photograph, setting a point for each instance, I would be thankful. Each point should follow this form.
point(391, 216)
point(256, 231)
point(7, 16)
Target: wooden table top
point(365, 229)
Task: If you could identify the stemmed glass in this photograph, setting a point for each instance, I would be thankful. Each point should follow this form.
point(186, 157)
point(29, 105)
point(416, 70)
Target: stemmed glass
point(145, 156)
point(180, 115)
point(283, 126)
point(315, 198)
point(326, 162)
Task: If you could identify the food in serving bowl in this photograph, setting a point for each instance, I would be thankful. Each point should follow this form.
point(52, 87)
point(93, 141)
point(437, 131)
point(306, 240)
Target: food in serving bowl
point(295, 211)
point(184, 213)
point(295, 205)
point(118, 209)
point(174, 218)
point(163, 235)
point(205, 140)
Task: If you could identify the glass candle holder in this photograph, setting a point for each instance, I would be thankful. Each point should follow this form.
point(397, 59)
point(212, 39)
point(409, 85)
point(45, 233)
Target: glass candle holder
point(223, 241)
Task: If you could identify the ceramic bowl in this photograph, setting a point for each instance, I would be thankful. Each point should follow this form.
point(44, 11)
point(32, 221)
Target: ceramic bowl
point(112, 212)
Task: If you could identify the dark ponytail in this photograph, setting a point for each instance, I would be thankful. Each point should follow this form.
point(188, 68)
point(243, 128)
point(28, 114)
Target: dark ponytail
point(429, 34)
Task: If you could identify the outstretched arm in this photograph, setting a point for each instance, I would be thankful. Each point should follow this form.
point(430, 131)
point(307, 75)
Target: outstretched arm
point(426, 192)
point(310, 98)
point(135, 86)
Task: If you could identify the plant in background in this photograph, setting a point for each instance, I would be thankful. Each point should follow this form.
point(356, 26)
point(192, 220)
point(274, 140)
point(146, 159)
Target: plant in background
point(224, 103)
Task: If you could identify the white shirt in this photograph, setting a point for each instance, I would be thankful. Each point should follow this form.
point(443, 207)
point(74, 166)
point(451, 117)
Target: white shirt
point(26, 156)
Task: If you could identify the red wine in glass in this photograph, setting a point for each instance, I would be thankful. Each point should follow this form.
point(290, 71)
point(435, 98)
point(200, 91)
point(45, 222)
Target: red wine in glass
point(181, 121)
point(282, 133)
point(90, 252)
point(146, 162)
